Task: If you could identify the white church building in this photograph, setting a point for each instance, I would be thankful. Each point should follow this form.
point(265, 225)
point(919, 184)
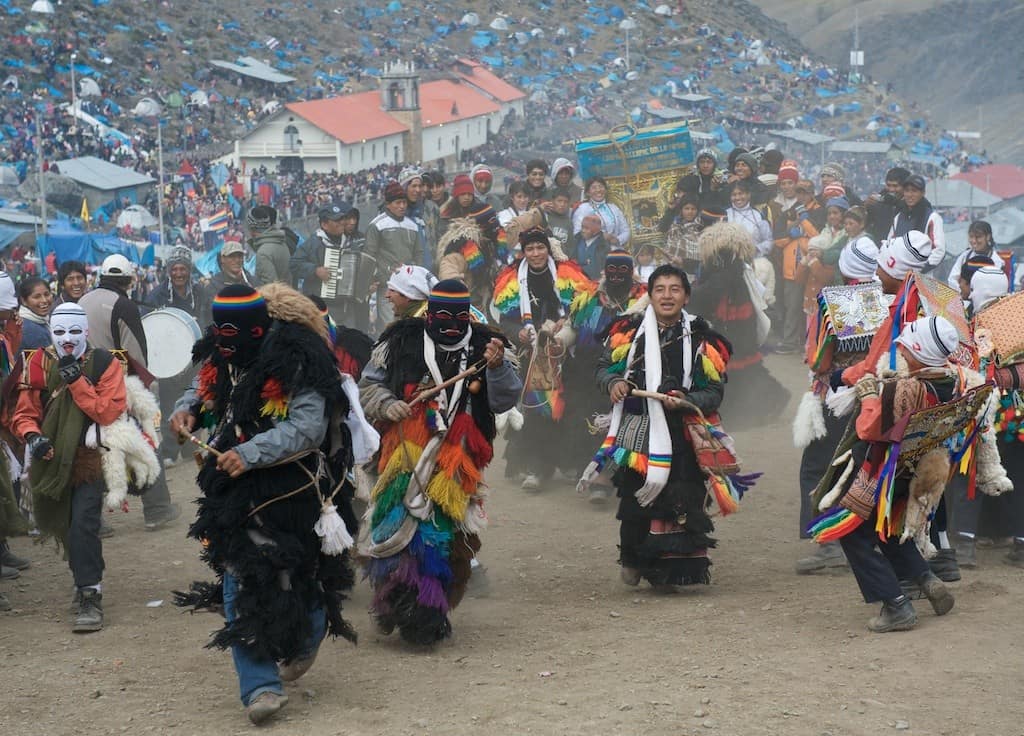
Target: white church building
point(402, 121)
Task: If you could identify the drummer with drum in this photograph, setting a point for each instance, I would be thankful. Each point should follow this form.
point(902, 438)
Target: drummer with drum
point(182, 309)
point(333, 265)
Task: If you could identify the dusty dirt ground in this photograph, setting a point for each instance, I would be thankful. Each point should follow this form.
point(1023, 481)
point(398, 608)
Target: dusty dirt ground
point(559, 646)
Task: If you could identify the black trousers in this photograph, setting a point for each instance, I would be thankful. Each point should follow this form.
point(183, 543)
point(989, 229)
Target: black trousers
point(813, 464)
point(879, 575)
point(996, 516)
point(85, 549)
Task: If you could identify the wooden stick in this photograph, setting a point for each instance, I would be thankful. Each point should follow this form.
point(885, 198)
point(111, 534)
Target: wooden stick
point(643, 394)
point(200, 444)
point(429, 393)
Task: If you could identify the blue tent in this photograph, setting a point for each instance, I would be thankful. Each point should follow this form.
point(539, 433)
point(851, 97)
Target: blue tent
point(784, 67)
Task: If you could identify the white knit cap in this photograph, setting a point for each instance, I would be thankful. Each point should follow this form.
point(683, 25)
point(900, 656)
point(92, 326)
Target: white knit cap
point(8, 296)
point(931, 339)
point(412, 282)
point(904, 253)
point(859, 259)
point(988, 283)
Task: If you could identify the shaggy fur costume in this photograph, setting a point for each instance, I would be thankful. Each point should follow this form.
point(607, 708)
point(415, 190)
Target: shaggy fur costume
point(274, 552)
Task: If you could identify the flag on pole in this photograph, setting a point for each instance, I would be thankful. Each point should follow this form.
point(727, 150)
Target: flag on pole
point(85, 210)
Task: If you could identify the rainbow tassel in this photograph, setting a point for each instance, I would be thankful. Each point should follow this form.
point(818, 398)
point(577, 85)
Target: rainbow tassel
point(724, 494)
point(473, 255)
point(549, 403)
point(834, 525)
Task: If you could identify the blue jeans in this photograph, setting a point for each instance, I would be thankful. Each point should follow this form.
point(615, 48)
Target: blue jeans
point(255, 674)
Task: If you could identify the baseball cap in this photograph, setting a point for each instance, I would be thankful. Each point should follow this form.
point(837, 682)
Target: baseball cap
point(915, 181)
point(231, 247)
point(116, 265)
point(333, 211)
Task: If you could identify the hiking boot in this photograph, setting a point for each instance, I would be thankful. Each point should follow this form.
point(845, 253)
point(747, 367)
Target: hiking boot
point(264, 705)
point(944, 565)
point(1015, 556)
point(172, 513)
point(937, 594)
point(630, 575)
point(912, 590)
point(966, 553)
point(531, 482)
point(9, 573)
point(297, 667)
point(76, 600)
point(827, 555)
point(896, 615)
point(90, 611)
point(9, 559)
point(5, 603)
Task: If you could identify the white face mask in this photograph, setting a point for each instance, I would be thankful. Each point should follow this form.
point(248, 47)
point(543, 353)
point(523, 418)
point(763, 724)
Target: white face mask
point(69, 331)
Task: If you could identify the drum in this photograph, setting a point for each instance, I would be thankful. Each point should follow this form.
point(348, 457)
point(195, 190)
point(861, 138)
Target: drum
point(170, 335)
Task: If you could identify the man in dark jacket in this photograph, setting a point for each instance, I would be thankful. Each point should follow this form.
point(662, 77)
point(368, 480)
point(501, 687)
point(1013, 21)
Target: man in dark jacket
point(882, 205)
point(116, 324)
point(308, 265)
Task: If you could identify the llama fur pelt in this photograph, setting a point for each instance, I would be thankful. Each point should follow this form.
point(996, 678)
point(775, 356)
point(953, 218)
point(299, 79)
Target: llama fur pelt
point(288, 305)
point(127, 444)
point(926, 489)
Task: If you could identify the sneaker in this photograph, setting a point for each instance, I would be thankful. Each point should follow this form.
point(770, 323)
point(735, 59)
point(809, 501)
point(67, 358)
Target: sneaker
point(531, 482)
point(90, 611)
point(9, 559)
point(944, 565)
point(106, 531)
point(1015, 556)
point(5, 603)
point(597, 496)
point(172, 513)
point(264, 705)
point(896, 615)
point(9, 573)
point(827, 555)
point(630, 575)
point(966, 553)
point(297, 667)
point(937, 594)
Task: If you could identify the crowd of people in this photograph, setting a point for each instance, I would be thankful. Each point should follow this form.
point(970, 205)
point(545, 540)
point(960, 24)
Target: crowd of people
point(498, 315)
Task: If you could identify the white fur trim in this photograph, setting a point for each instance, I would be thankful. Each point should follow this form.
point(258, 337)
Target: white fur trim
point(833, 495)
point(475, 521)
point(123, 449)
point(841, 402)
point(809, 422)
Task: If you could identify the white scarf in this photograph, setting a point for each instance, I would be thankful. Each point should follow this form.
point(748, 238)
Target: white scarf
point(524, 290)
point(659, 453)
point(447, 404)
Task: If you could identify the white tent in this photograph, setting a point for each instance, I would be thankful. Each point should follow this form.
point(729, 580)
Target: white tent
point(88, 88)
point(200, 98)
point(521, 37)
point(137, 217)
point(663, 10)
point(499, 24)
point(42, 6)
point(147, 107)
point(271, 106)
point(470, 19)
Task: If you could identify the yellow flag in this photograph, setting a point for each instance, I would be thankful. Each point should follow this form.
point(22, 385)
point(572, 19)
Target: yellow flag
point(85, 210)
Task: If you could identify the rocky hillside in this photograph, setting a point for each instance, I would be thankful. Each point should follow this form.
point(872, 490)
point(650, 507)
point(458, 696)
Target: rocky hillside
point(959, 61)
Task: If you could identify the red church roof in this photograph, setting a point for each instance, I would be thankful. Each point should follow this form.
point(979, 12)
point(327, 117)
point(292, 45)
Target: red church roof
point(482, 77)
point(444, 101)
point(1002, 180)
point(349, 118)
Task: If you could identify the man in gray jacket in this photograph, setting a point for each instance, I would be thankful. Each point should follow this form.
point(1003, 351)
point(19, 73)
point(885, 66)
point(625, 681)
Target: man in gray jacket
point(270, 243)
point(392, 239)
